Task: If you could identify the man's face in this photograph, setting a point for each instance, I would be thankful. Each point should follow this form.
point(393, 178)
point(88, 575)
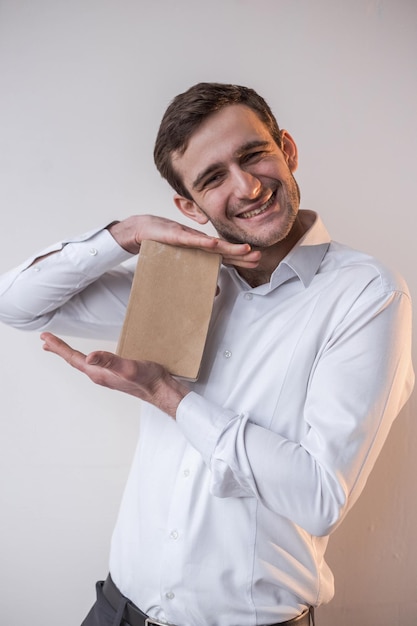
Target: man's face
point(239, 179)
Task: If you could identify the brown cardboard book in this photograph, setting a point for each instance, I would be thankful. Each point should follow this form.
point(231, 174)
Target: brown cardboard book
point(170, 307)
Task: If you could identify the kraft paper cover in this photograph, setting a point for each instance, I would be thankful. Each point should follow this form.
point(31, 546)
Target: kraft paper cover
point(170, 307)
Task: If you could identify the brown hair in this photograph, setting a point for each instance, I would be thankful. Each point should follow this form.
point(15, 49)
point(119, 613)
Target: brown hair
point(189, 109)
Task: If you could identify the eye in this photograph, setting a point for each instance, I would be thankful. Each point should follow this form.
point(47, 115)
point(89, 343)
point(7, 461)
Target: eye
point(213, 180)
point(253, 156)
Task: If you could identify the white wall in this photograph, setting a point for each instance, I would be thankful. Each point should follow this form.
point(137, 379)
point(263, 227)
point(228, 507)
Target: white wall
point(83, 84)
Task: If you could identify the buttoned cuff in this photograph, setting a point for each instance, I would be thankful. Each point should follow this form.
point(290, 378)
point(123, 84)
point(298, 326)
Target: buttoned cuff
point(95, 252)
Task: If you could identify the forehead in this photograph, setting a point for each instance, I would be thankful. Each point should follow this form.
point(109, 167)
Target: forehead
point(219, 138)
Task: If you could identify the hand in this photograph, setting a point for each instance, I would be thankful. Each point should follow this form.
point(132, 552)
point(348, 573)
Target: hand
point(144, 379)
point(129, 234)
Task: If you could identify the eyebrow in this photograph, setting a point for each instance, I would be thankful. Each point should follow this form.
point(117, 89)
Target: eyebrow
point(257, 143)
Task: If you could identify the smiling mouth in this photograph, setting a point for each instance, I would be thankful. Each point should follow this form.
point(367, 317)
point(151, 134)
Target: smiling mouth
point(261, 209)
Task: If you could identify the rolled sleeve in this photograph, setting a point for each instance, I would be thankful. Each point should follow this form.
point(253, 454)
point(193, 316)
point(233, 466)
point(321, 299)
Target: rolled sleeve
point(202, 423)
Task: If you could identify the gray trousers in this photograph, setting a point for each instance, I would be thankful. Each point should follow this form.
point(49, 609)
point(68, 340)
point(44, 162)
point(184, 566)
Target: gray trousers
point(102, 614)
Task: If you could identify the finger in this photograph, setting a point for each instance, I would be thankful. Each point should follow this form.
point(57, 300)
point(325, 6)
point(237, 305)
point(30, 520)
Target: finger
point(109, 370)
point(241, 264)
point(138, 378)
point(54, 344)
point(128, 369)
point(125, 368)
point(232, 249)
point(250, 260)
point(179, 234)
point(196, 239)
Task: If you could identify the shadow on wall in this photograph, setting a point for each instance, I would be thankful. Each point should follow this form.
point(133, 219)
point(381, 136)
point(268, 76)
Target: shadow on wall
point(379, 530)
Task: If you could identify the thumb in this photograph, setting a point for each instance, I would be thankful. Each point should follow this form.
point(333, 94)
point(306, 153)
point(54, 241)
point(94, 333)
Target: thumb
point(123, 368)
point(102, 359)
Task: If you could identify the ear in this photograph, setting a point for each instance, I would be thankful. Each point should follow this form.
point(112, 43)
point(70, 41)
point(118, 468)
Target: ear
point(190, 209)
point(289, 149)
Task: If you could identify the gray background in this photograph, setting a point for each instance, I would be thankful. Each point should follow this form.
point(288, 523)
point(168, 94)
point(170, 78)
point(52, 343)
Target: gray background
point(83, 86)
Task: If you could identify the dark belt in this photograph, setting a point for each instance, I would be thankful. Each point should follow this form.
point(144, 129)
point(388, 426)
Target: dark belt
point(135, 617)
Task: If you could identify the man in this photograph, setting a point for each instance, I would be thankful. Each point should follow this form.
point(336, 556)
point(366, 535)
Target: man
point(239, 478)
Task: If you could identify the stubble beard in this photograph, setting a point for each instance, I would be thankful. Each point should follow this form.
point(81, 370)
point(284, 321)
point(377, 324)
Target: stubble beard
point(289, 203)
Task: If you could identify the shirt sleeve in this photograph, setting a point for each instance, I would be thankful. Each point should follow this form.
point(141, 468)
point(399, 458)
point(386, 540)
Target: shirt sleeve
point(82, 290)
point(361, 380)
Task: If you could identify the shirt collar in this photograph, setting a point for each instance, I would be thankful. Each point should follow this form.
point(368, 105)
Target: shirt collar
point(304, 258)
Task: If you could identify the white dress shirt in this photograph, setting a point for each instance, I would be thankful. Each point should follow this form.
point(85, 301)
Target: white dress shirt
point(227, 510)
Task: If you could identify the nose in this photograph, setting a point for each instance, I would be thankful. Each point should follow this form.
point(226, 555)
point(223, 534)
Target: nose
point(245, 184)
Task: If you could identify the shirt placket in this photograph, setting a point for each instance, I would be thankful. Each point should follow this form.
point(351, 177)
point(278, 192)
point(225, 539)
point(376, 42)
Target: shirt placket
point(177, 534)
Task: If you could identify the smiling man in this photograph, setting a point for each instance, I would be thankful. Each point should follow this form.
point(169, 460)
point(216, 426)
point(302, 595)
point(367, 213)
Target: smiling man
point(244, 185)
point(240, 477)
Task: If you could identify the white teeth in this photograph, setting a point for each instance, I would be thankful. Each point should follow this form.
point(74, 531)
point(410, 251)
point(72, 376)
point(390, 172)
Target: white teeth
point(259, 210)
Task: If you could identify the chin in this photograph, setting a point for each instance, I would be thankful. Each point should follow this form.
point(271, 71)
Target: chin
point(272, 236)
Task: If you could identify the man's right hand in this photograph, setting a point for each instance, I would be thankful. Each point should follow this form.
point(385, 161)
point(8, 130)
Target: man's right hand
point(129, 234)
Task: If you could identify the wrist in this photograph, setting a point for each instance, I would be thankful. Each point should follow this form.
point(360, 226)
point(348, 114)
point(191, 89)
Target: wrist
point(168, 394)
point(121, 231)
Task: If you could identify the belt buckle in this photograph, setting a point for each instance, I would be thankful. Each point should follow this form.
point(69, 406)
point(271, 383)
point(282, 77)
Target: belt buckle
point(153, 622)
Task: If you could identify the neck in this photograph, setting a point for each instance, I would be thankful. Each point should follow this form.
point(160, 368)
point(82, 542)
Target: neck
point(255, 277)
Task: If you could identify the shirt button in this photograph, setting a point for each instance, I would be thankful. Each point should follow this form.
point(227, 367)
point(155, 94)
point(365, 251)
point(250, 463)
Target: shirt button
point(93, 251)
point(174, 534)
point(170, 595)
point(36, 269)
point(227, 354)
point(186, 472)
point(248, 296)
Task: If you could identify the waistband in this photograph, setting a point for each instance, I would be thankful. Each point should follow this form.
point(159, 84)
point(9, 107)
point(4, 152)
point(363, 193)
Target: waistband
point(135, 617)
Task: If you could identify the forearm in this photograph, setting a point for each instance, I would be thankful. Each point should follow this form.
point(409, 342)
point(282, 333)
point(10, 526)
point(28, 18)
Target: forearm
point(248, 460)
point(310, 460)
point(31, 294)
